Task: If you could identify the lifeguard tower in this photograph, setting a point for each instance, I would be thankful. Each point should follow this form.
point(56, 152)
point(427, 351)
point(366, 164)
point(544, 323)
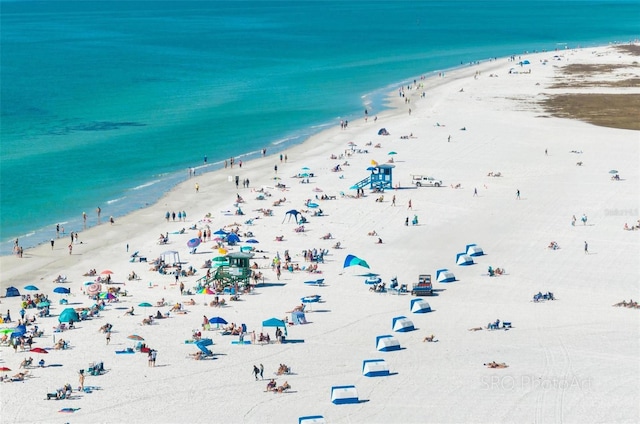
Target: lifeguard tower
point(230, 276)
point(381, 178)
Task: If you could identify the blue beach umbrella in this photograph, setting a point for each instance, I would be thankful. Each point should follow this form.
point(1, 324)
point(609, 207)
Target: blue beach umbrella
point(220, 233)
point(31, 288)
point(62, 290)
point(251, 241)
point(194, 242)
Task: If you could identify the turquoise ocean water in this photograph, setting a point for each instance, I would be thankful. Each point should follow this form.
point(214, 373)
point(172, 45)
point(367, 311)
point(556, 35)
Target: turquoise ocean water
point(108, 103)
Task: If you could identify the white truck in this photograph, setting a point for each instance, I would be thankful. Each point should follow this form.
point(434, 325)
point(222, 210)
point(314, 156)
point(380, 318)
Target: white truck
point(424, 181)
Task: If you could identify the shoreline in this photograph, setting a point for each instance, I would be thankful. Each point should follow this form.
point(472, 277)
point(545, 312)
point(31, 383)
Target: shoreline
point(157, 187)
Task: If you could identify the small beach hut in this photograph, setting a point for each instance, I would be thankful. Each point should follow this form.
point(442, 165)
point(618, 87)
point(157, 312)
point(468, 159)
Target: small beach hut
point(298, 317)
point(402, 324)
point(311, 419)
point(445, 276)
point(420, 306)
point(463, 259)
point(341, 395)
point(387, 343)
point(375, 368)
point(474, 250)
point(12, 292)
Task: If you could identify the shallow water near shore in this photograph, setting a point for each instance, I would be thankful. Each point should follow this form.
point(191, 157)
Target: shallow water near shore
point(108, 104)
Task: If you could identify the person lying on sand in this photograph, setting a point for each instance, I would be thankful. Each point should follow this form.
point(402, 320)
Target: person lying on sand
point(282, 388)
point(429, 338)
point(494, 364)
point(271, 385)
point(475, 329)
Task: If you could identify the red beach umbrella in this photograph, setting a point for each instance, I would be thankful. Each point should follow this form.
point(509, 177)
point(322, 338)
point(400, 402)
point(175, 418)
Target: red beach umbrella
point(38, 350)
point(107, 271)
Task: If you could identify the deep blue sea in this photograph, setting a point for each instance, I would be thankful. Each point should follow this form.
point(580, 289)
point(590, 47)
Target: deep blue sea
point(107, 103)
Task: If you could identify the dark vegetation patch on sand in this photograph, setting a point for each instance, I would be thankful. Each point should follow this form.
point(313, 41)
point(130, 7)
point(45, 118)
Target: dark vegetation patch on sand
point(615, 110)
point(606, 110)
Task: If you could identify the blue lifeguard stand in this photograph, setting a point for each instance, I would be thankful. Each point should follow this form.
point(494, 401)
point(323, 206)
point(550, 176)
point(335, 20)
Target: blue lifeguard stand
point(381, 178)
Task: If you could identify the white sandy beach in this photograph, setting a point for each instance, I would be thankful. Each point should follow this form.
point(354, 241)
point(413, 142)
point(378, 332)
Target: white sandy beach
point(574, 359)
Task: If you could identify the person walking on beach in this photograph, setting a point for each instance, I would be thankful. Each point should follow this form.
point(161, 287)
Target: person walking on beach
point(410, 206)
point(261, 372)
point(52, 242)
point(70, 249)
point(449, 139)
point(99, 211)
point(573, 221)
point(275, 168)
point(81, 380)
point(518, 194)
point(197, 187)
point(393, 200)
point(256, 372)
point(84, 219)
point(475, 192)
point(586, 248)
point(108, 337)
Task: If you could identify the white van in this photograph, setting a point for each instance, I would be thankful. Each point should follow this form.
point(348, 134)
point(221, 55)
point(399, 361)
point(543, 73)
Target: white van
point(424, 181)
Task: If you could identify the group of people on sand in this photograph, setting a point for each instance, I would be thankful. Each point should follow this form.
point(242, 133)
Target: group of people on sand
point(272, 386)
point(494, 364)
point(630, 304)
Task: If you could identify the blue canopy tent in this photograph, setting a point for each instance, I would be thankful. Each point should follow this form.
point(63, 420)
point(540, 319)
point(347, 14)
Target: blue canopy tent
point(292, 214)
point(275, 322)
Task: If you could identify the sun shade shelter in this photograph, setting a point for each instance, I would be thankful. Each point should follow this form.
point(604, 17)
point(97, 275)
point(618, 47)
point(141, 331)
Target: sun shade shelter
point(463, 259)
point(474, 250)
point(387, 343)
point(170, 257)
point(375, 368)
point(311, 419)
point(402, 324)
point(420, 306)
point(445, 276)
point(341, 395)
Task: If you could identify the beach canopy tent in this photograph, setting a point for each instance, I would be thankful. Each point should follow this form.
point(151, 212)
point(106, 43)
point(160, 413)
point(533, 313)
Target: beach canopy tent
point(298, 317)
point(387, 343)
point(474, 250)
point(344, 394)
point(445, 276)
point(420, 306)
point(375, 368)
point(383, 131)
point(170, 257)
point(12, 292)
point(402, 324)
point(292, 214)
point(275, 322)
point(68, 315)
point(311, 419)
point(463, 259)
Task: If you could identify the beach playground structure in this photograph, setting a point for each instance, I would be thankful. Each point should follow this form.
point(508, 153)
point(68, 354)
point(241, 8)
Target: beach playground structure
point(381, 178)
point(341, 395)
